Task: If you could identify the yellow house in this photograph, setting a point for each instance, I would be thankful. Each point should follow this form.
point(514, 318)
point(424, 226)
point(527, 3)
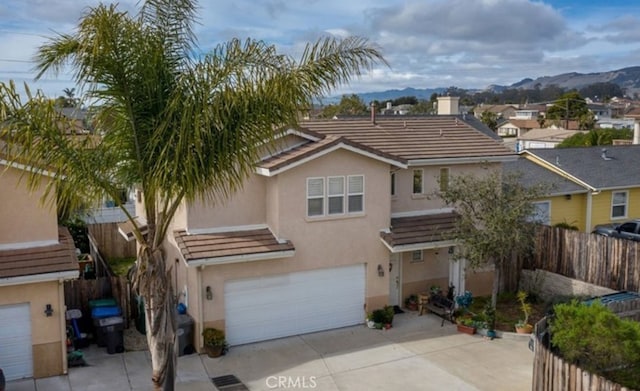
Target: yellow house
point(589, 185)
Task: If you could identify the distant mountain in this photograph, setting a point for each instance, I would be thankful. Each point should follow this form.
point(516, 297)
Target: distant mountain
point(626, 78)
point(420, 93)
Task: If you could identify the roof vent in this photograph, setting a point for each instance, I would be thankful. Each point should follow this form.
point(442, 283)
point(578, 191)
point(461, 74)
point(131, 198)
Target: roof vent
point(557, 160)
point(604, 154)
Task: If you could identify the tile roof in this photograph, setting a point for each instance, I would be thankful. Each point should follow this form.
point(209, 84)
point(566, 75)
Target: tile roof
point(417, 138)
point(549, 134)
point(622, 169)
point(54, 258)
point(416, 230)
point(230, 245)
point(532, 174)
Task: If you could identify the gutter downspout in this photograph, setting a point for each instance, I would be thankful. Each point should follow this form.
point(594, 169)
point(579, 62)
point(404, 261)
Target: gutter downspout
point(588, 214)
point(200, 307)
point(63, 326)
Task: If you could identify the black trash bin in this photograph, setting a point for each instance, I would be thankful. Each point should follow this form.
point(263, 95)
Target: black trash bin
point(185, 334)
point(110, 330)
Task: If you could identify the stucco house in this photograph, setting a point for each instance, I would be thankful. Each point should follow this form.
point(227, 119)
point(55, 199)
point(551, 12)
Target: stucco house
point(36, 257)
point(591, 185)
point(339, 219)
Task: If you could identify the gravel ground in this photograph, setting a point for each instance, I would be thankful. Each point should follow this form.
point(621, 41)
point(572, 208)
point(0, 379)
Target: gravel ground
point(134, 340)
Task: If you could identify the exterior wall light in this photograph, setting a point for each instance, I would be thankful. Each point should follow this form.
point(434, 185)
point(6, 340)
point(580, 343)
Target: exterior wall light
point(48, 310)
point(380, 271)
point(208, 293)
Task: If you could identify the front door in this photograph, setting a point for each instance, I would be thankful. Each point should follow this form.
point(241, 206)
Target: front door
point(394, 279)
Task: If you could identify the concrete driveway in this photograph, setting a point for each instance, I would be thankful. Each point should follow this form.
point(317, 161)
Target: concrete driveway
point(416, 354)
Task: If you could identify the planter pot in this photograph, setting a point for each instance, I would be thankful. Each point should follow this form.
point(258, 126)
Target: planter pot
point(213, 351)
point(491, 334)
point(412, 306)
point(466, 329)
point(526, 329)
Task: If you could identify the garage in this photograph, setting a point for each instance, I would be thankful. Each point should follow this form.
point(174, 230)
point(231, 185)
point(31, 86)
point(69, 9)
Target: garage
point(263, 308)
point(16, 358)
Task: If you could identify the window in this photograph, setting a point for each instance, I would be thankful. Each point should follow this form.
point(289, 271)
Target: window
point(444, 179)
point(416, 256)
point(541, 213)
point(618, 204)
point(315, 196)
point(393, 183)
point(331, 201)
point(356, 193)
point(417, 182)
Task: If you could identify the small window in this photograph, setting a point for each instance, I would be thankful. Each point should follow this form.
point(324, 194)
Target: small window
point(356, 193)
point(315, 196)
point(336, 195)
point(618, 204)
point(417, 256)
point(417, 182)
point(393, 183)
point(444, 179)
point(541, 213)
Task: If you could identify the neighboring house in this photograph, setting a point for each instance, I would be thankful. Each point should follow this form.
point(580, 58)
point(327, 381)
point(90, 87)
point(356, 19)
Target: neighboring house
point(543, 138)
point(341, 220)
point(36, 257)
point(609, 179)
point(501, 111)
point(599, 110)
point(516, 127)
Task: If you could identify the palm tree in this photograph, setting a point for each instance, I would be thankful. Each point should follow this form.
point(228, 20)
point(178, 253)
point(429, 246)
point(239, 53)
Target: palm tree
point(176, 125)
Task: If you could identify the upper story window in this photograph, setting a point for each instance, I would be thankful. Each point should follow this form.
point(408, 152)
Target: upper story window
point(417, 182)
point(338, 192)
point(393, 183)
point(444, 179)
point(619, 204)
point(417, 256)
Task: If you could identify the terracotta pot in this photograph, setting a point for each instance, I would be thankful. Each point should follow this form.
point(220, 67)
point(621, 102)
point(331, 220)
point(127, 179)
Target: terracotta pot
point(466, 329)
point(526, 329)
point(213, 351)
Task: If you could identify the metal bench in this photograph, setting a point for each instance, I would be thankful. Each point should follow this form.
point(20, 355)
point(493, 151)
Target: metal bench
point(440, 305)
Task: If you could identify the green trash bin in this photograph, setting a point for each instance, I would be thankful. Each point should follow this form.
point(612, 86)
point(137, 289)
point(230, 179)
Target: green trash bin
point(110, 302)
point(140, 319)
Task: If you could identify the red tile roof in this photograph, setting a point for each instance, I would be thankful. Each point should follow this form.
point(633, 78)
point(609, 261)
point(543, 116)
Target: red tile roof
point(226, 245)
point(416, 230)
point(54, 258)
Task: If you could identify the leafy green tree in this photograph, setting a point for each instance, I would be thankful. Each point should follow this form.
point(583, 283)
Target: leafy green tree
point(596, 137)
point(422, 107)
point(490, 119)
point(176, 127)
point(493, 227)
point(349, 105)
point(404, 100)
point(597, 340)
point(570, 106)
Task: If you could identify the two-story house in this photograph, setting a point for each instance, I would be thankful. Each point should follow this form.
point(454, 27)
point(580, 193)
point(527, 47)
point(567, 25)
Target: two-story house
point(340, 218)
point(36, 257)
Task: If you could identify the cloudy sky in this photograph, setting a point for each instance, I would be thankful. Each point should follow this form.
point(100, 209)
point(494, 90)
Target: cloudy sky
point(428, 43)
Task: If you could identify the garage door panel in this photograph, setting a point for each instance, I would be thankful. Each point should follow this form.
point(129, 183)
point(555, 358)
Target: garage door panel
point(16, 356)
point(296, 303)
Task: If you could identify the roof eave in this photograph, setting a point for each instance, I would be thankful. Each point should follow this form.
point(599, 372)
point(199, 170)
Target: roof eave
point(43, 277)
point(463, 160)
point(419, 246)
point(242, 258)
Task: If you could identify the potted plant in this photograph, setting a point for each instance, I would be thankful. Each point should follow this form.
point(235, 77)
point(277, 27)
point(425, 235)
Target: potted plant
point(489, 313)
point(523, 326)
point(466, 325)
point(411, 302)
point(382, 317)
point(435, 290)
point(215, 343)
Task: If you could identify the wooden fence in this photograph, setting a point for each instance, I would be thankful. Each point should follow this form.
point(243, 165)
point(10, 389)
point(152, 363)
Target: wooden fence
point(77, 294)
point(609, 262)
point(552, 373)
point(110, 242)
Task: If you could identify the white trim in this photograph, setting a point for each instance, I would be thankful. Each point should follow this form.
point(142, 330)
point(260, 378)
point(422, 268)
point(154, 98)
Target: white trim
point(295, 132)
point(216, 230)
point(24, 245)
point(419, 246)
point(461, 160)
point(24, 167)
point(241, 258)
point(416, 213)
point(268, 173)
point(35, 278)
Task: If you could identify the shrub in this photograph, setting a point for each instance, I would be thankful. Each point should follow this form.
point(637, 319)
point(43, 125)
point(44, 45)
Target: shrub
point(383, 315)
point(594, 338)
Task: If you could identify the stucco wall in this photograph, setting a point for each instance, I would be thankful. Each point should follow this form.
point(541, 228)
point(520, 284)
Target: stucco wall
point(418, 277)
point(29, 219)
point(549, 285)
point(45, 330)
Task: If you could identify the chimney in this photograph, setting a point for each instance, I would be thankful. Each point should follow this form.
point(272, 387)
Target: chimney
point(373, 113)
point(389, 106)
point(448, 105)
point(636, 132)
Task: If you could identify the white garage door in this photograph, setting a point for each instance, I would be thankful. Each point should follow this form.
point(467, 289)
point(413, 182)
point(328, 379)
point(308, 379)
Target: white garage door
point(264, 308)
point(16, 358)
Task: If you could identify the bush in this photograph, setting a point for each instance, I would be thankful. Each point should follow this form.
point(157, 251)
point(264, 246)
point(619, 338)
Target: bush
point(383, 315)
point(594, 338)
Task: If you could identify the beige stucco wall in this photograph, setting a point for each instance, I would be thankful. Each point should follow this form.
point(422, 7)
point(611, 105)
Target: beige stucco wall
point(405, 201)
point(418, 277)
point(46, 333)
point(29, 220)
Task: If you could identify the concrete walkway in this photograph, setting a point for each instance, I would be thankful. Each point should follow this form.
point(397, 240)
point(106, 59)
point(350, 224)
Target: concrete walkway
point(416, 354)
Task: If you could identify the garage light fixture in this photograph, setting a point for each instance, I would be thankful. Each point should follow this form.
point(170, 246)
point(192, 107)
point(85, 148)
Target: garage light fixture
point(380, 271)
point(48, 310)
point(208, 293)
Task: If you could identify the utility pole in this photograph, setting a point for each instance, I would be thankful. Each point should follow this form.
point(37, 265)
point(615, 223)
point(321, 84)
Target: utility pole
point(566, 117)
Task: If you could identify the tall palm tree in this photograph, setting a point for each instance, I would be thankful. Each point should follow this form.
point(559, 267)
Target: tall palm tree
point(176, 125)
